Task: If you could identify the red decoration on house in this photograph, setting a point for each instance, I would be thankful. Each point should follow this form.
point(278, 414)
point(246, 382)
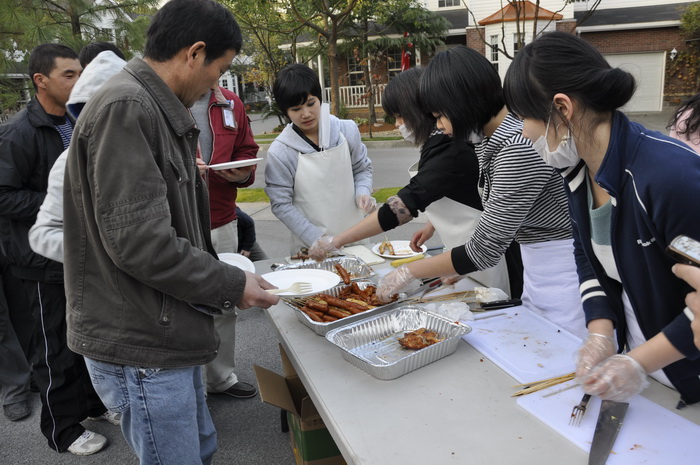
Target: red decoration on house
point(406, 54)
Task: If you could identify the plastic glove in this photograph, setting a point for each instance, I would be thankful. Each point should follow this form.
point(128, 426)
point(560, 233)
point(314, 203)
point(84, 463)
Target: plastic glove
point(595, 349)
point(618, 378)
point(366, 203)
point(322, 247)
point(394, 282)
point(451, 280)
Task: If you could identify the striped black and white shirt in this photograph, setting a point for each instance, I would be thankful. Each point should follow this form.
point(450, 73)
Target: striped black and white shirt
point(524, 199)
point(64, 127)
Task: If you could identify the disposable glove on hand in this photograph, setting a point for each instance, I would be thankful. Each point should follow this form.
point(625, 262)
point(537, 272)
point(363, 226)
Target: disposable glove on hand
point(366, 203)
point(322, 247)
point(394, 282)
point(618, 378)
point(594, 350)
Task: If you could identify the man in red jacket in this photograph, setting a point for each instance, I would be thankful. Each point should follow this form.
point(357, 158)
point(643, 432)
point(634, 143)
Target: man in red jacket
point(225, 136)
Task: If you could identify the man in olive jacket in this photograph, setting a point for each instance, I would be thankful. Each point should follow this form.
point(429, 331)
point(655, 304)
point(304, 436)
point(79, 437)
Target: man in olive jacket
point(142, 280)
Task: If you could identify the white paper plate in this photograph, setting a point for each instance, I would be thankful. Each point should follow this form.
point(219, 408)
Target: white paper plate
point(235, 164)
point(402, 249)
point(320, 280)
point(238, 260)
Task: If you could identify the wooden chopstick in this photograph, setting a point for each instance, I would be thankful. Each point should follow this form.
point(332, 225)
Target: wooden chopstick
point(539, 385)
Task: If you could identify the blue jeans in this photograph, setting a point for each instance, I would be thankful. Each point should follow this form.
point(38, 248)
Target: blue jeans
point(165, 418)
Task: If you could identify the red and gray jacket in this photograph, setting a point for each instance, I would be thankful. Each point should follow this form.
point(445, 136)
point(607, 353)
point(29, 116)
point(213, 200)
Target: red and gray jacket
point(228, 145)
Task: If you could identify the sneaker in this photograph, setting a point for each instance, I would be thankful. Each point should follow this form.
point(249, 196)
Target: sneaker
point(240, 390)
point(88, 443)
point(17, 411)
point(114, 418)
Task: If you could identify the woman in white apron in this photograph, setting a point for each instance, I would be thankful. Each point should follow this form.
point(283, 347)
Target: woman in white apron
point(318, 175)
point(443, 184)
point(523, 198)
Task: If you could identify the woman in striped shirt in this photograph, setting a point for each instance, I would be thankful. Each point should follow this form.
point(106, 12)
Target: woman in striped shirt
point(523, 198)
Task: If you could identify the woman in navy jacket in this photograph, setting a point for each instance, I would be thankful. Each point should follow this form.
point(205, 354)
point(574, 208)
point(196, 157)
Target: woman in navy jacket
point(631, 192)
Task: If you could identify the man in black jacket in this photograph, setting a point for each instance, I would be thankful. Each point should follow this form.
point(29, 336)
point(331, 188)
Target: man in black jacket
point(30, 142)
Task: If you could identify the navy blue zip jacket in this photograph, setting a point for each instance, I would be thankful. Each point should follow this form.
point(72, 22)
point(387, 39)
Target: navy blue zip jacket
point(654, 184)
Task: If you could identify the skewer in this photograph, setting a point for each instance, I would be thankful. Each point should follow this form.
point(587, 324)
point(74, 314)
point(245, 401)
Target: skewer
point(539, 385)
point(532, 383)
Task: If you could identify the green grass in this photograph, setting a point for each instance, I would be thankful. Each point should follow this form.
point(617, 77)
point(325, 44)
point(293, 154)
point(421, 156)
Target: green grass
point(384, 193)
point(252, 195)
point(258, 195)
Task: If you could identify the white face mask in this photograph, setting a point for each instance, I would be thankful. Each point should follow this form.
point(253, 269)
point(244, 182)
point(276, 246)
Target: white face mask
point(407, 134)
point(564, 156)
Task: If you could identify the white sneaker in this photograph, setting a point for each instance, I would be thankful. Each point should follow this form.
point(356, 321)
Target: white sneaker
point(88, 443)
point(114, 418)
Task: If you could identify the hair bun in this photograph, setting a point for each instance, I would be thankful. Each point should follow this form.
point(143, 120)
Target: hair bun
point(616, 88)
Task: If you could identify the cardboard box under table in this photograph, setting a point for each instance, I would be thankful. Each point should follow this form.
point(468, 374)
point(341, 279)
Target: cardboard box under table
point(311, 442)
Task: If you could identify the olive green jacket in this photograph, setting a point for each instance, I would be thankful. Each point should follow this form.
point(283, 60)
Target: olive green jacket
point(142, 280)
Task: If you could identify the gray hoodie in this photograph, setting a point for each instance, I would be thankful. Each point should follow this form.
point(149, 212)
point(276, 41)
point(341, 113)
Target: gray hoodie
point(281, 168)
point(46, 236)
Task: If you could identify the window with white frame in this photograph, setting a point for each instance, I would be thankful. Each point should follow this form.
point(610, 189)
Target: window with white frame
point(518, 41)
point(493, 43)
point(355, 74)
point(446, 3)
point(393, 63)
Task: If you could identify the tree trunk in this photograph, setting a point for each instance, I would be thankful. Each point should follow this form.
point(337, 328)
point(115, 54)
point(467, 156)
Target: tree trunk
point(369, 89)
point(333, 68)
point(75, 25)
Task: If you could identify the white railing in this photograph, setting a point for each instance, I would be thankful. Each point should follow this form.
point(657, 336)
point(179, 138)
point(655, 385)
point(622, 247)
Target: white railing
point(354, 96)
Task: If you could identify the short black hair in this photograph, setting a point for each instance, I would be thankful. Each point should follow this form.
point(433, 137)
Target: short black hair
point(461, 84)
point(293, 85)
point(400, 98)
point(559, 62)
point(688, 125)
point(90, 51)
point(42, 59)
point(181, 23)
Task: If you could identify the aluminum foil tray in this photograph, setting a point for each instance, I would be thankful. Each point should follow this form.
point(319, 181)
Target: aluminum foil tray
point(357, 268)
point(372, 344)
point(322, 328)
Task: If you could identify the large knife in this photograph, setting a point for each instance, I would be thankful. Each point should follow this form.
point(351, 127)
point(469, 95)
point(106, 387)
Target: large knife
point(609, 422)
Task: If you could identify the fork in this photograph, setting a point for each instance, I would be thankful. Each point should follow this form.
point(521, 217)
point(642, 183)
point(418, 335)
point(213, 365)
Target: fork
point(295, 288)
point(579, 410)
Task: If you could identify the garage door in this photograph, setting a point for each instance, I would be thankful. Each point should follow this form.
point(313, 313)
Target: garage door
point(648, 70)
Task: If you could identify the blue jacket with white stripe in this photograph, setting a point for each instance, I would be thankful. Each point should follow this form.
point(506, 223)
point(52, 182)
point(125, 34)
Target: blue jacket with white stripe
point(654, 184)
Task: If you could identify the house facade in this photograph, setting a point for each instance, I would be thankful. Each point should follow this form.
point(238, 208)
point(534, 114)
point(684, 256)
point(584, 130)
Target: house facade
point(640, 36)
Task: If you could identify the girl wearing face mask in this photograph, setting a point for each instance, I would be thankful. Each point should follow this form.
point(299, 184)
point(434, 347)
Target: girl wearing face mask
point(631, 191)
point(443, 183)
point(524, 199)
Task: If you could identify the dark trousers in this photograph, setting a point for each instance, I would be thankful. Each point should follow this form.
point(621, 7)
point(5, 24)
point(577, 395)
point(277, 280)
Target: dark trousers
point(16, 337)
point(67, 395)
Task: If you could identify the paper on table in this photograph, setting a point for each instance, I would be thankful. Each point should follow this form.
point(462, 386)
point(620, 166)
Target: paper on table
point(649, 434)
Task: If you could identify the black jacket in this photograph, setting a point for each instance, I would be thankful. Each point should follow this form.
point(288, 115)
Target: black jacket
point(29, 146)
point(446, 168)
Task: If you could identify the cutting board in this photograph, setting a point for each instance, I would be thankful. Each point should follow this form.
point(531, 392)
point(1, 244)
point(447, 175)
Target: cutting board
point(523, 344)
point(650, 434)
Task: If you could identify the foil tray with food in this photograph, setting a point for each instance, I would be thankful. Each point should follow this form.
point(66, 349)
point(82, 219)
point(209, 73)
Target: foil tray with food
point(355, 267)
point(338, 306)
point(394, 343)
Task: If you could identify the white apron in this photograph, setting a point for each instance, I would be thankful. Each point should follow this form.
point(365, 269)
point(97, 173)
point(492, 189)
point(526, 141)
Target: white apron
point(550, 284)
point(455, 224)
point(324, 191)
